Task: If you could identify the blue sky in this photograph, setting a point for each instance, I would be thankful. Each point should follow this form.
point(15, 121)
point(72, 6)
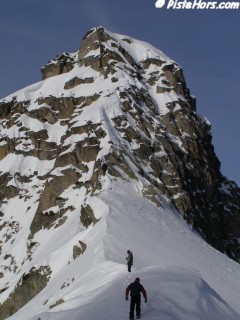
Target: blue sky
point(204, 42)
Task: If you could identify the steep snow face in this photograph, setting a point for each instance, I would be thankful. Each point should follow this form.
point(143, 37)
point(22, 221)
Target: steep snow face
point(106, 152)
point(184, 277)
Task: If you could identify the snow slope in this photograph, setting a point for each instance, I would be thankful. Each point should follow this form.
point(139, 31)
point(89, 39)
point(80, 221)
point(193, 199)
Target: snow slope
point(185, 278)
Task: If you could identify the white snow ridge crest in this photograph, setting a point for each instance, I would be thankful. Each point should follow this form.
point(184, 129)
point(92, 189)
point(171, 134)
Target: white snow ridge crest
point(107, 153)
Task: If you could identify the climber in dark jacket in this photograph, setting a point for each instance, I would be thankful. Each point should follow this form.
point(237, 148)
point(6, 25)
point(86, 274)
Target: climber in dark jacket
point(135, 288)
point(129, 260)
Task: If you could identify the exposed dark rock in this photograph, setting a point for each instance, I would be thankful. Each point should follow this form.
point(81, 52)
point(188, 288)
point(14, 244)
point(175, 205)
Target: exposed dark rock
point(11, 108)
point(79, 249)
point(8, 147)
point(7, 191)
point(60, 301)
point(61, 64)
point(45, 217)
point(87, 216)
point(77, 81)
point(29, 286)
point(44, 115)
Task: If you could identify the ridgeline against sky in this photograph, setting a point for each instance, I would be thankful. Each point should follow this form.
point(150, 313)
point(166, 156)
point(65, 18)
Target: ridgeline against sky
point(108, 151)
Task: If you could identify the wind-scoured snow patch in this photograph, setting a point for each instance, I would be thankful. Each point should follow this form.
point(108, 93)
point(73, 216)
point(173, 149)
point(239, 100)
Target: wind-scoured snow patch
point(182, 294)
point(144, 49)
point(25, 165)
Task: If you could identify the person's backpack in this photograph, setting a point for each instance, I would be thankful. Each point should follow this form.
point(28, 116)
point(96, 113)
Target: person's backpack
point(131, 258)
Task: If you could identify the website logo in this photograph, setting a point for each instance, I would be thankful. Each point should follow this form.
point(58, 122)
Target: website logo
point(159, 3)
point(197, 5)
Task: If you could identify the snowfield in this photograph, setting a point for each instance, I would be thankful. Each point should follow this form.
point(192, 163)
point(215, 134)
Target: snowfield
point(184, 277)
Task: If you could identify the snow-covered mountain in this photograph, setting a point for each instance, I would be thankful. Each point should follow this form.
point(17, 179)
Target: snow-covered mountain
point(107, 153)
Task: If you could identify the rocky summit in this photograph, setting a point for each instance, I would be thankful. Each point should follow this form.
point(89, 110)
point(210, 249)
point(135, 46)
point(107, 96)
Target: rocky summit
point(118, 109)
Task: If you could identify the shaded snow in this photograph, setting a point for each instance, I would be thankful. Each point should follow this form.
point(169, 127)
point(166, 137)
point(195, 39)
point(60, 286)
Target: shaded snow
point(185, 278)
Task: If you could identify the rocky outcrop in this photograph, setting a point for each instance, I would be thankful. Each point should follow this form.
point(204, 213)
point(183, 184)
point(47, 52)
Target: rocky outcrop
point(79, 249)
point(29, 286)
point(77, 81)
point(63, 63)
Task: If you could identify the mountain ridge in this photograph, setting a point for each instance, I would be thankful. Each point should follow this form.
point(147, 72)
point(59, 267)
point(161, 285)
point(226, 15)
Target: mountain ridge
point(118, 109)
